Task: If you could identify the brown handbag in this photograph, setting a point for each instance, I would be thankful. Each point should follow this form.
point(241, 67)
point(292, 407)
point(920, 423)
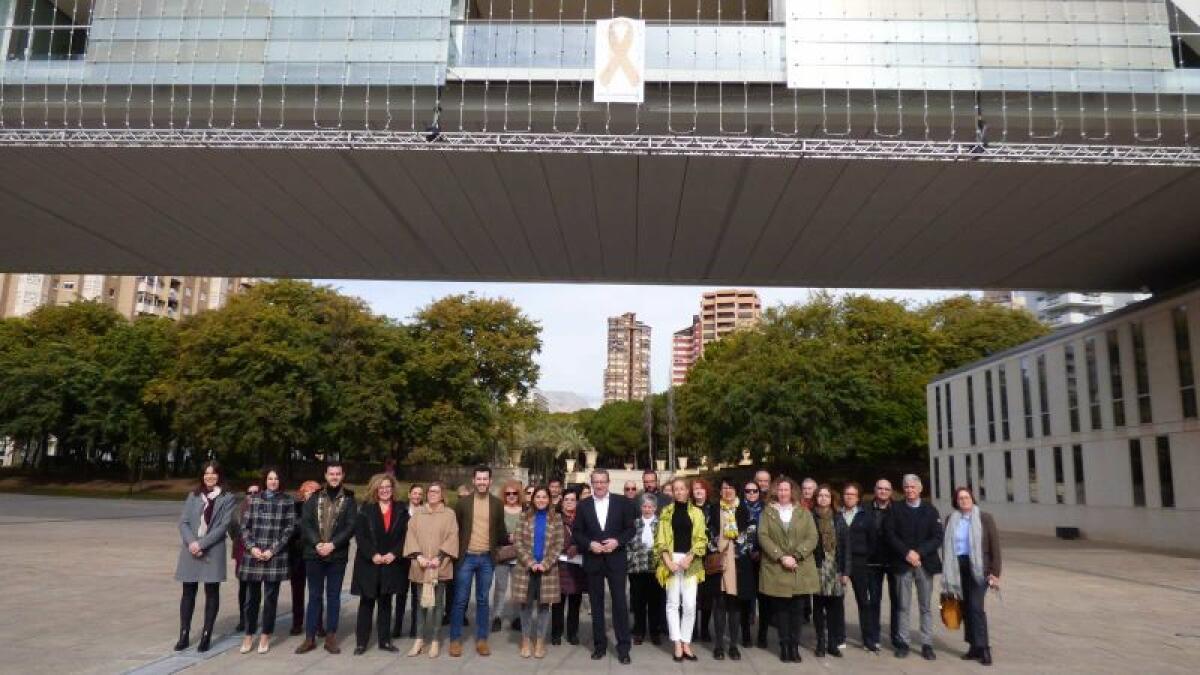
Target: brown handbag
point(951, 611)
point(714, 563)
point(506, 553)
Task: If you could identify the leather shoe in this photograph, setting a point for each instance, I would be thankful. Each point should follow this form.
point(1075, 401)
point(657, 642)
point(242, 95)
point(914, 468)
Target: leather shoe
point(556, 641)
point(359, 650)
point(901, 651)
point(927, 653)
point(331, 644)
point(655, 639)
point(388, 647)
point(734, 654)
point(985, 656)
point(637, 639)
point(482, 648)
point(455, 649)
point(598, 654)
point(306, 646)
point(971, 654)
point(834, 651)
point(719, 654)
point(624, 659)
point(690, 656)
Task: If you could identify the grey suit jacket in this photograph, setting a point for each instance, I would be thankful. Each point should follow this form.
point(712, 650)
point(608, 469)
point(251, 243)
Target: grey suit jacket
point(209, 567)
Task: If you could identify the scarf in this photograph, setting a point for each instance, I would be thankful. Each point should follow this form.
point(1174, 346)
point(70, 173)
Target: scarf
point(329, 507)
point(825, 529)
point(210, 500)
point(268, 494)
point(729, 528)
point(951, 581)
point(755, 509)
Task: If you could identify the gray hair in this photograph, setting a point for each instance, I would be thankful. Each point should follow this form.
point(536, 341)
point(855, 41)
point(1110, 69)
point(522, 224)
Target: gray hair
point(647, 498)
point(911, 478)
point(808, 481)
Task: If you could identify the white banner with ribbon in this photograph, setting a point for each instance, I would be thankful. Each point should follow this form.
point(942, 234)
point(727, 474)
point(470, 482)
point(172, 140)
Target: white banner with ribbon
point(620, 75)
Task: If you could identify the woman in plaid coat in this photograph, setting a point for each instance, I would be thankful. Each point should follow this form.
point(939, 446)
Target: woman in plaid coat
point(539, 541)
point(646, 597)
point(266, 532)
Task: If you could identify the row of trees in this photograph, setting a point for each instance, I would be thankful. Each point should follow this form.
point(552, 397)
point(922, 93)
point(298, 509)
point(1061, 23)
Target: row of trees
point(292, 370)
point(286, 370)
point(837, 378)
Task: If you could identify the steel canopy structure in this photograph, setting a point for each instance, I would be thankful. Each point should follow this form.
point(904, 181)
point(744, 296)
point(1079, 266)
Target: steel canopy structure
point(1008, 143)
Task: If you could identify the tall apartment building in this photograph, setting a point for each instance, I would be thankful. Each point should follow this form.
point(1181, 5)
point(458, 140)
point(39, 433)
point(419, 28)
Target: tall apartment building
point(1061, 310)
point(627, 375)
point(721, 313)
point(724, 311)
point(685, 350)
point(132, 296)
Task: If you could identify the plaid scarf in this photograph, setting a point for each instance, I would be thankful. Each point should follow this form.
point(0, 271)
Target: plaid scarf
point(328, 511)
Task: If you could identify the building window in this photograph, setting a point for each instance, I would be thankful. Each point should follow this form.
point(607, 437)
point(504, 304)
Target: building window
point(949, 419)
point(1089, 357)
point(953, 476)
point(1072, 388)
point(1026, 398)
point(982, 482)
point(991, 405)
point(970, 410)
point(1008, 476)
point(1183, 357)
point(969, 476)
point(1141, 374)
point(1043, 394)
point(937, 404)
point(1003, 382)
point(1077, 462)
point(1031, 464)
point(1059, 480)
point(1114, 378)
point(1166, 481)
point(1136, 472)
point(937, 477)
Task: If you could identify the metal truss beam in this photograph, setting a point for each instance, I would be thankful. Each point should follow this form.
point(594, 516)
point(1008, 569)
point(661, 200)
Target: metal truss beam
point(715, 146)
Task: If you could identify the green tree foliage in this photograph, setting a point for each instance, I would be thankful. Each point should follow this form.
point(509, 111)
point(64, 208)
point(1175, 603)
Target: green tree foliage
point(285, 370)
point(836, 377)
point(617, 430)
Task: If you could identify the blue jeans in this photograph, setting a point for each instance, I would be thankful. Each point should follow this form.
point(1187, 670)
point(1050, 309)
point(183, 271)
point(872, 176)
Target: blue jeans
point(324, 579)
point(477, 567)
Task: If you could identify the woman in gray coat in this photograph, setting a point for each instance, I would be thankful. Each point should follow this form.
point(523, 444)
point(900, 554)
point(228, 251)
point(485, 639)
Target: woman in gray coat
point(202, 529)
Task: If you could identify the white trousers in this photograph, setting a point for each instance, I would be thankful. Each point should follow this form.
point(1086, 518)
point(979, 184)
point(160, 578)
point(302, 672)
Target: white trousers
point(681, 590)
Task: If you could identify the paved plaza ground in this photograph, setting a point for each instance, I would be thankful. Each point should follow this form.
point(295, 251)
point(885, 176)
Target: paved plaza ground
point(87, 587)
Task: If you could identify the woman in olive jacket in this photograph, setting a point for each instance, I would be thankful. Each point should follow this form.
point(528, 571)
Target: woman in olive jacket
point(203, 526)
point(378, 575)
point(787, 537)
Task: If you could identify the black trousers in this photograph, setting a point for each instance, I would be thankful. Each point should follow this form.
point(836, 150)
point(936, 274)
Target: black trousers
point(766, 615)
point(878, 574)
point(243, 587)
point(727, 611)
point(829, 618)
point(410, 595)
point(187, 604)
point(974, 619)
point(615, 578)
point(648, 600)
point(867, 602)
point(706, 598)
point(789, 618)
point(255, 599)
point(571, 605)
point(366, 609)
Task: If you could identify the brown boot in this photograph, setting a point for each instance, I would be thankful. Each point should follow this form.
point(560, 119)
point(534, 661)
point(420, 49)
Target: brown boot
point(331, 644)
point(525, 648)
point(455, 648)
point(539, 648)
point(482, 649)
point(306, 646)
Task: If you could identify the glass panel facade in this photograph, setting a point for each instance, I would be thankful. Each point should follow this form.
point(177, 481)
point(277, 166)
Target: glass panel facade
point(971, 410)
point(1008, 476)
point(1141, 373)
point(982, 480)
point(1183, 361)
point(1043, 394)
point(937, 405)
point(1072, 387)
point(949, 419)
point(1003, 382)
point(1093, 385)
point(1166, 478)
point(1026, 397)
point(1114, 377)
point(1077, 465)
point(1031, 466)
point(1137, 474)
point(1059, 479)
point(991, 405)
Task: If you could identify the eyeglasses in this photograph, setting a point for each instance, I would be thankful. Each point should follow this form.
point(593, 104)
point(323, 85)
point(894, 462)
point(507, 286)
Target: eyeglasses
point(511, 494)
point(631, 489)
point(751, 491)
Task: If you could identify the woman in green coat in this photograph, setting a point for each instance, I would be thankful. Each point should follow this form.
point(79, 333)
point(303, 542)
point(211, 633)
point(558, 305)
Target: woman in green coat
point(787, 537)
point(680, 544)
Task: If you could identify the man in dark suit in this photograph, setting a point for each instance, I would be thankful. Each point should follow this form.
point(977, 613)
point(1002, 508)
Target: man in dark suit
point(915, 535)
point(603, 526)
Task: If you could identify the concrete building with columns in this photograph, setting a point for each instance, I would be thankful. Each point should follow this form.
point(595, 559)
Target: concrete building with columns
point(1092, 427)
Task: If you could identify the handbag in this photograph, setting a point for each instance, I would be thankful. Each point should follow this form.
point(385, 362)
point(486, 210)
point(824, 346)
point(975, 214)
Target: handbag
point(714, 563)
point(951, 611)
point(506, 553)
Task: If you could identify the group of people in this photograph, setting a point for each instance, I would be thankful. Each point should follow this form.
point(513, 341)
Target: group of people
point(679, 560)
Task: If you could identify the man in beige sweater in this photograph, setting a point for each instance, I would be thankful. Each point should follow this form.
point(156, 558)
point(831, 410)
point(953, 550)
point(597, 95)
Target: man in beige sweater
point(480, 533)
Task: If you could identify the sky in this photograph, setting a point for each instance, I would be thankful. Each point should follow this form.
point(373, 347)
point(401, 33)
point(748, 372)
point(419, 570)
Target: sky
point(574, 318)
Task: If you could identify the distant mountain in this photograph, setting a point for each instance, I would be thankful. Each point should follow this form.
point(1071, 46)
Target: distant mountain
point(568, 401)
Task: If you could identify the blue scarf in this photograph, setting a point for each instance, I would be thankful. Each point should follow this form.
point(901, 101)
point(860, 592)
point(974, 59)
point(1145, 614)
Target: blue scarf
point(755, 509)
point(539, 534)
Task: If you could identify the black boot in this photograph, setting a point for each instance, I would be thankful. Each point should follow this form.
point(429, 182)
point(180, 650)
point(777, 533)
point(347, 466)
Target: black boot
point(972, 654)
point(183, 640)
point(985, 656)
point(785, 652)
point(834, 651)
point(820, 650)
point(205, 640)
